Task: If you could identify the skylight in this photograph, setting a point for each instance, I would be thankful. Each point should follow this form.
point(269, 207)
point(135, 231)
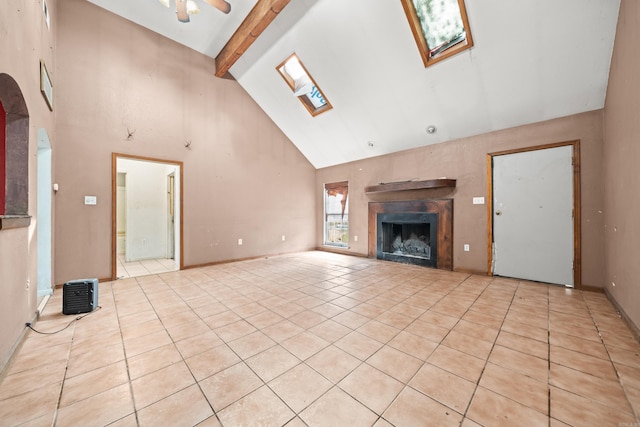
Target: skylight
point(303, 85)
point(440, 27)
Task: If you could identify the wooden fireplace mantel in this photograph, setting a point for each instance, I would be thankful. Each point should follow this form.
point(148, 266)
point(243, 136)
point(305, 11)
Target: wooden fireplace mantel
point(442, 207)
point(410, 185)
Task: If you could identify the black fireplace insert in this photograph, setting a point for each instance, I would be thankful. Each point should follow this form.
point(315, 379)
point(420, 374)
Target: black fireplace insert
point(409, 238)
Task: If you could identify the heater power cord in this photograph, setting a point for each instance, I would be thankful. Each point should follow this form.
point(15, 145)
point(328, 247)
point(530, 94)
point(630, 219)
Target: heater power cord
point(28, 325)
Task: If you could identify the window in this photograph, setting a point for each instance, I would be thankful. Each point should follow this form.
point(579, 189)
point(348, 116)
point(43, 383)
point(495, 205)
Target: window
point(303, 85)
point(336, 214)
point(440, 27)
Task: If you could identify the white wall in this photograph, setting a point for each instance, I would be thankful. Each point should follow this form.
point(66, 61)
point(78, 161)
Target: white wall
point(44, 212)
point(146, 212)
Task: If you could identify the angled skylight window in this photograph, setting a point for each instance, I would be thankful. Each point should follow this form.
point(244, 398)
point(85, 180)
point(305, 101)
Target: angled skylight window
point(303, 85)
point(440, 27)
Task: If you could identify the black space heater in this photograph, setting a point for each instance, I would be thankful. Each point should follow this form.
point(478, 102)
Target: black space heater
point(79, 296)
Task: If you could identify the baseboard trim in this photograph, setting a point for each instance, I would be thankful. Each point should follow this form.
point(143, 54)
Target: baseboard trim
point(100, 280)
point(42, 305)
point(6, 364)
point(336, 250)
point(228, 261)
point(471, 271)
point(635, 331)
point(224, 261)
point(592, 289)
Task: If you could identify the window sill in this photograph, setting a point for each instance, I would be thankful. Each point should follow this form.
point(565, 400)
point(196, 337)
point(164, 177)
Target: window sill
point(14, 221)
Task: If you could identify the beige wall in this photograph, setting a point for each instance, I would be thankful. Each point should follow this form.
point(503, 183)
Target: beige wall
point(25, 40)
point(621, 163)
point(242, 177)
point(465, 161)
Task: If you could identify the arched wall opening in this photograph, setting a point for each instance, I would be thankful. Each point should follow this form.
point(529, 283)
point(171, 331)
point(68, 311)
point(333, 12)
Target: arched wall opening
point(14, 184)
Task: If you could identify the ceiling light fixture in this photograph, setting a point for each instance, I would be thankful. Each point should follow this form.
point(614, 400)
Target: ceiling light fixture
point(184, 8)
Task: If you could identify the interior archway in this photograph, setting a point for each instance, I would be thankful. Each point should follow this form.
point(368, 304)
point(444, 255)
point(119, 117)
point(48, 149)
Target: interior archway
point(14, 155)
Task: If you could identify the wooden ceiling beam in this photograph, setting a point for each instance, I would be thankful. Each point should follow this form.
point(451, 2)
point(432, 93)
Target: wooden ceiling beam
point(262, 14)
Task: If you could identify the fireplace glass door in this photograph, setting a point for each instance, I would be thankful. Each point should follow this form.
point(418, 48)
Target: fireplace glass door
point(409, 238)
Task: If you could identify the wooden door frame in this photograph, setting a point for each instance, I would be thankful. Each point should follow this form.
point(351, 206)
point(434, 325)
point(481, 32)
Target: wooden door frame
point(171, 184)
point(577, 252)
point(114, 213)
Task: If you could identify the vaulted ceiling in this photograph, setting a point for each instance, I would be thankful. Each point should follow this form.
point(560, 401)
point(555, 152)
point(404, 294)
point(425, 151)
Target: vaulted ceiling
point(532, 60)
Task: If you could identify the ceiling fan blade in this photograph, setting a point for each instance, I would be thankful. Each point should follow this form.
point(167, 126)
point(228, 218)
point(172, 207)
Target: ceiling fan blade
point(222, 5)
point(181, 10)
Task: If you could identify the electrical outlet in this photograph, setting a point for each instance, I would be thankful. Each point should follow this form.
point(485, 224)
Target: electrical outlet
point(355, 238)
point(239, 242)
point(478, 200)
point(466, 247)
point(283, 237)
point(90, 200)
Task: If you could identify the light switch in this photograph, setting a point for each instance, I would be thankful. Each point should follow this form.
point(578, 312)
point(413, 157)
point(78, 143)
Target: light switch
point(478, 200)
point(90, 200)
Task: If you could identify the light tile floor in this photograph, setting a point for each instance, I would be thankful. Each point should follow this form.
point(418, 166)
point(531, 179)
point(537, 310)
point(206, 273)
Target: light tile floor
point(145, 267)
point(322, 339)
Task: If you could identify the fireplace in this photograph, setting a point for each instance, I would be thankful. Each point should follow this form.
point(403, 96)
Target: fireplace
point(410, 238)
point(412, 232)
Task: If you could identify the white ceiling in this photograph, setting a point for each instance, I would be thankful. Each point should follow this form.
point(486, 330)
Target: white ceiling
point(207, 32)
point(532, 60)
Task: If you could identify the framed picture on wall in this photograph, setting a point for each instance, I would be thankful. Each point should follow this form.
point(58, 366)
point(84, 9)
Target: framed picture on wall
point(45, 85)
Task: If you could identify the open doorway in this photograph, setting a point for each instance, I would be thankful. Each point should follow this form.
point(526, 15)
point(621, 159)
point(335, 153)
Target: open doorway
point(147, 216)
point(44, 213)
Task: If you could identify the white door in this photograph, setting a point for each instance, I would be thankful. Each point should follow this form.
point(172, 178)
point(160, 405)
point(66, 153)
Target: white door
point(121, 214)
point(171, 203)
point(533, 215)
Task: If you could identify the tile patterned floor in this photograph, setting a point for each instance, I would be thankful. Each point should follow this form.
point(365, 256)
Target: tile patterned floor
point(321, 339)
point(125, 270)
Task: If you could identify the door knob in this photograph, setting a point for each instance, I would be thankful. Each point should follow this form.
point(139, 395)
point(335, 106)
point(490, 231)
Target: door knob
point(498, 213)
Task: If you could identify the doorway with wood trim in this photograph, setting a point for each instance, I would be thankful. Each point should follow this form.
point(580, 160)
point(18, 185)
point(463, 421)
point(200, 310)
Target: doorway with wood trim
point(534, 213)
point(44, 215)
point(146, 216)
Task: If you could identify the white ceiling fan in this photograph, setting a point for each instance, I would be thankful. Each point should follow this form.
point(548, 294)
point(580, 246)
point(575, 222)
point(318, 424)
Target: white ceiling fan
point(184, 8)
